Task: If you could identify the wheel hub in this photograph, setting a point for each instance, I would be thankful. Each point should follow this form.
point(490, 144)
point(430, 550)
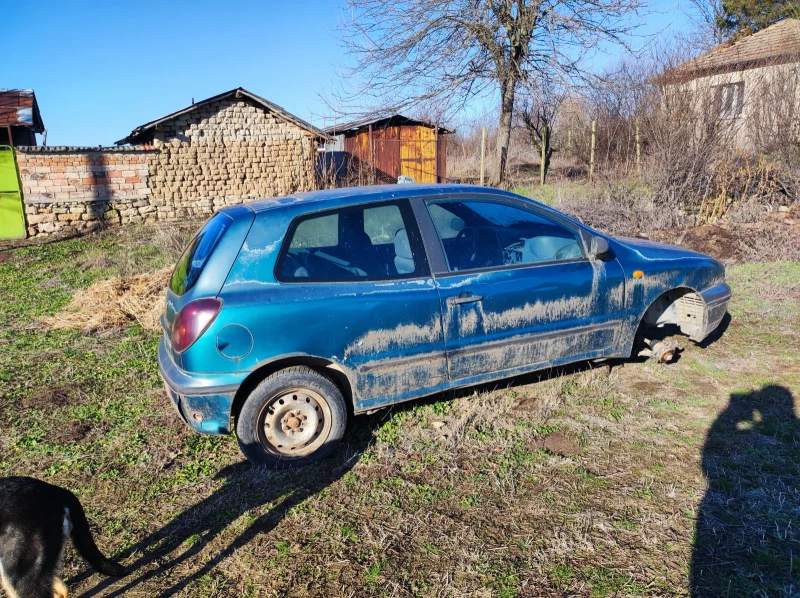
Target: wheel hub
point(296, 423)
point(292, 422)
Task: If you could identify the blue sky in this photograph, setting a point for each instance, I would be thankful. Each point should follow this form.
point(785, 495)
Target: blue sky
point(99, 69)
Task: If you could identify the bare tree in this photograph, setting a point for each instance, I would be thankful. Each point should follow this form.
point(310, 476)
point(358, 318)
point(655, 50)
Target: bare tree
point(538, 112)
point(707, 15)
point(406, 52)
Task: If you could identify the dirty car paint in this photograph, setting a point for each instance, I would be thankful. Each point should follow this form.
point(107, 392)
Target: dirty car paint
point(394, 340)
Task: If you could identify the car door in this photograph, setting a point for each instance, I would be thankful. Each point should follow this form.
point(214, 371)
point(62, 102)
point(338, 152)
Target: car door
point(516, 287)
point(356, 288)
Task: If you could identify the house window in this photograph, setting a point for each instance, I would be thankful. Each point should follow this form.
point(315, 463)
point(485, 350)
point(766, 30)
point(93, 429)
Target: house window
point(730, 98)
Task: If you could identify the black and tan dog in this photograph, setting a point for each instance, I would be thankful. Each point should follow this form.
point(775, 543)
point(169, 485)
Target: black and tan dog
point(35, 520)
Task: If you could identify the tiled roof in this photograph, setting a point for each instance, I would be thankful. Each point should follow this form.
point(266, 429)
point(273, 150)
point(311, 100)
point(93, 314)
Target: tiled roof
point(778, 43)
point(83, 149)
point(143, 131)
point(18, 108)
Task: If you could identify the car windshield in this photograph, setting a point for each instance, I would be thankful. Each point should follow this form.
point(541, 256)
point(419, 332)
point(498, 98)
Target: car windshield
point(194, 258)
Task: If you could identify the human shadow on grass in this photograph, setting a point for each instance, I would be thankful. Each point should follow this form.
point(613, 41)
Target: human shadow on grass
point(246, 488)
point(747, 538)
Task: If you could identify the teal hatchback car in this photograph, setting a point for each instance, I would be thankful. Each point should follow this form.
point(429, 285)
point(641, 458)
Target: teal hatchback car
point(287, 316)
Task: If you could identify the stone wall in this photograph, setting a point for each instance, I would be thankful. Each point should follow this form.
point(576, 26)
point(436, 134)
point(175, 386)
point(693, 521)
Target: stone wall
point(220, 154)
point(68, 189)
point(230, 150)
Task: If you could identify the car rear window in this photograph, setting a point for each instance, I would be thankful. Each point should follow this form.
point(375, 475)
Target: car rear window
point(363, 242)
point(194, 258)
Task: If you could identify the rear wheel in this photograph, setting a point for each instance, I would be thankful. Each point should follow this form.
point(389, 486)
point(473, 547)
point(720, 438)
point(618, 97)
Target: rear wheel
point(293, 417)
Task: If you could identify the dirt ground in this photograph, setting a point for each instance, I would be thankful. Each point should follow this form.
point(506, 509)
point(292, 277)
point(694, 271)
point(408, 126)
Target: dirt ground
point(623, 479)
point(774, 237)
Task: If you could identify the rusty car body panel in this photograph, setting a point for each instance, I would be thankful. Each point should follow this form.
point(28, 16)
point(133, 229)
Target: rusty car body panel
point(391, 340)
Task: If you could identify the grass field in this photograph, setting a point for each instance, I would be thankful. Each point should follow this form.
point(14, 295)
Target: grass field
point(634, 480)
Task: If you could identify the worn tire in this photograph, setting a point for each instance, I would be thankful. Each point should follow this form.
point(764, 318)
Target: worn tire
point(261, 413)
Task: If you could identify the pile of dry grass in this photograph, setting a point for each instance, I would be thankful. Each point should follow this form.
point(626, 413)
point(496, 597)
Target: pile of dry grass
point(116, 302)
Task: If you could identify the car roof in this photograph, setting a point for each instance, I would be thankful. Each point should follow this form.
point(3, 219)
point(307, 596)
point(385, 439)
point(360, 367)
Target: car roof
point(354, 195)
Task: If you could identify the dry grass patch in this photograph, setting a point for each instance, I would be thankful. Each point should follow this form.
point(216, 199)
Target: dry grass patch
point(639, 479)
point(115, 303)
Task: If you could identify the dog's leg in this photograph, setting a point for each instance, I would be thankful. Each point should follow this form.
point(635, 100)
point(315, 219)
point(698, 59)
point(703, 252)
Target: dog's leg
point(60, 590)
point(9, 590)
point(6, 584)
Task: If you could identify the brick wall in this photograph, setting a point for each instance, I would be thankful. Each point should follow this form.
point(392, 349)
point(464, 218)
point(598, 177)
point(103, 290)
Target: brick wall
point(82, 188)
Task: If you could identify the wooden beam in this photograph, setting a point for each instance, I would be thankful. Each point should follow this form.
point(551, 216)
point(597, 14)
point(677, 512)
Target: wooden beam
point(372, 156)
point(436, 151)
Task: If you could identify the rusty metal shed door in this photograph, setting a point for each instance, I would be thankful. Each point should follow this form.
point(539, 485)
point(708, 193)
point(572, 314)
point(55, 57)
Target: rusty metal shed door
point(12, 212)
point(418, 154)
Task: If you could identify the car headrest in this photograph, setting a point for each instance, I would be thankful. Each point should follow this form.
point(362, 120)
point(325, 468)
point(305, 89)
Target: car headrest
point(402, 248)
point(356, 239)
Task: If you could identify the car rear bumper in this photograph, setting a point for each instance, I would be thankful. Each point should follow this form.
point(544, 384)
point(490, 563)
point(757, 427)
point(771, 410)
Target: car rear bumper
point(203, 401)
point(716, 301)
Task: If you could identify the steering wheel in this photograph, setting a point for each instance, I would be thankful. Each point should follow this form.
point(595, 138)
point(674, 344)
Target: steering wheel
point(467, 243)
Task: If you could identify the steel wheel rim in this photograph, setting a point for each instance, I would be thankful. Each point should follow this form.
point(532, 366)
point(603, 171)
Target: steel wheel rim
point(294, 423)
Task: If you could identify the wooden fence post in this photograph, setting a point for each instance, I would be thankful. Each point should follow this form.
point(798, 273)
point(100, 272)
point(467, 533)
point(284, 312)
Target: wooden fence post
point(544, 155)
point(591, 153)
point(483, 154)
point(569, 141)
point(638, 149)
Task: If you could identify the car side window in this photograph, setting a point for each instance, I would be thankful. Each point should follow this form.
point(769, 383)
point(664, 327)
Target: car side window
point(382, 223)
point(447, 225)
point(370, 242)
point(317, 232)
point(494, 234)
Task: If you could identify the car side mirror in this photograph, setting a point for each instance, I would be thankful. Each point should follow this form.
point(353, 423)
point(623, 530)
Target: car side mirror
point(598, 247)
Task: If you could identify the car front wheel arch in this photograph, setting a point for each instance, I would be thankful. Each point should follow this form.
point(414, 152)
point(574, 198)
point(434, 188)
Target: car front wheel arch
point(682, 306)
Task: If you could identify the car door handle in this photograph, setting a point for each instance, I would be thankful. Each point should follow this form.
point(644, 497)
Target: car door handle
point(463, 297)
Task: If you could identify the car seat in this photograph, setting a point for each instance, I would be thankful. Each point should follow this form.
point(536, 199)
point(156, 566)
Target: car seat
point(403, 258)
point(360, 251)
point(542, 249)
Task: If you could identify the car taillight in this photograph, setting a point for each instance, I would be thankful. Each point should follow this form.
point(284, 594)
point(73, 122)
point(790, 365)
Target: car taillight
point(192, 321)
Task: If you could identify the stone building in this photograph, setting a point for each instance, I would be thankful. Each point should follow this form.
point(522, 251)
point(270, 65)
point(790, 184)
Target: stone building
point(229, 149)
point(234, 146)
point(747, 89)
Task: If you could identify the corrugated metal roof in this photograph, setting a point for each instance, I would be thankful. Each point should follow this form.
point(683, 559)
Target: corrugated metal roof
point(778, 43)
point(18, 108)
point(239, 92)
point(391, 120)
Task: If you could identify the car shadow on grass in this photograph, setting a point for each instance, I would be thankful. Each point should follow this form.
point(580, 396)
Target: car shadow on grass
point(747, 529)
point(247, 488)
